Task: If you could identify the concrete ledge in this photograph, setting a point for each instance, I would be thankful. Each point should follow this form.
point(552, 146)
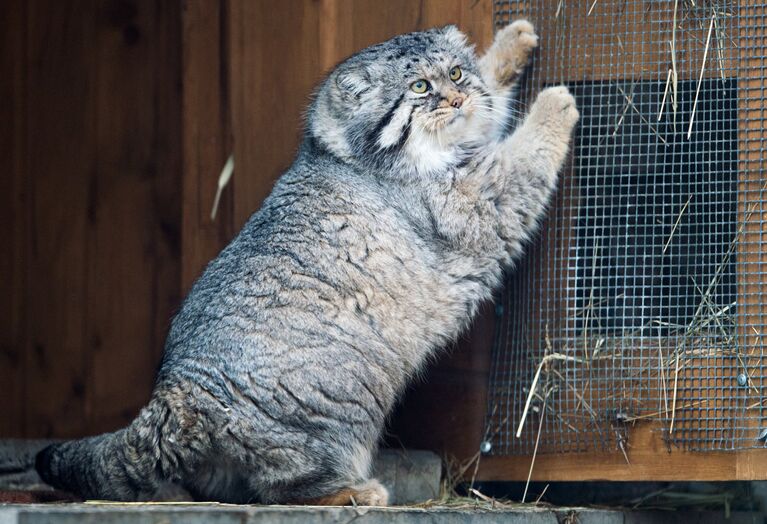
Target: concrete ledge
point(410, 476)
point(232, 514)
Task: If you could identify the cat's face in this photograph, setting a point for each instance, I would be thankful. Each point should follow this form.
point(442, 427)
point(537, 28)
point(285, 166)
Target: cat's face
point(415, 102)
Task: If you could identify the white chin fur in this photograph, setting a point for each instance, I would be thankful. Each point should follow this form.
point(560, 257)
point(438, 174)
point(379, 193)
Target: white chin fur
point(426, 154)
point(430, 152)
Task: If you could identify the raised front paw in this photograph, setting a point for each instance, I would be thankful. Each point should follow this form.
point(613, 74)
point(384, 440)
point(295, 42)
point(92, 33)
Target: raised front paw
point(554, 113)
point(511, 52)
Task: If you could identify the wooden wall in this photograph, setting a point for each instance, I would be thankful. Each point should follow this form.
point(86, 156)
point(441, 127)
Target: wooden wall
point(90, 162)
point(116, 119)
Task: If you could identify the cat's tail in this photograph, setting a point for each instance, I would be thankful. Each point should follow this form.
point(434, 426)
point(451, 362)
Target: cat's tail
point(129, 464)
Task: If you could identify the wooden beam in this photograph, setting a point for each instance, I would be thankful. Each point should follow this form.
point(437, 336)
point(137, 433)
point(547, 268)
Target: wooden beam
point(649, 459)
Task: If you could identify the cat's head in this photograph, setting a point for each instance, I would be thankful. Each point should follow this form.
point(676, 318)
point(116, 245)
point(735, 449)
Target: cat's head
point(415, 103)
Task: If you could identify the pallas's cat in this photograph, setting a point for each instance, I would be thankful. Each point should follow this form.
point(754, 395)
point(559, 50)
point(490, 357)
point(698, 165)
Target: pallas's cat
point(407, 199)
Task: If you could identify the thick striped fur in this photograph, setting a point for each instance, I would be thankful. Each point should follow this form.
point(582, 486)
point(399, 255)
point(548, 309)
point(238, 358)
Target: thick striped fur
point(374, 250)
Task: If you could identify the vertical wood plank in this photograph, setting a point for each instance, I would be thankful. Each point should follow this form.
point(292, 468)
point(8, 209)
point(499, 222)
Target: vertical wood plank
point(206, 135)
point(336, 40)
point(13, 217)
point(60, 140)
point(361, 23)
point(346, 26)
point(168, 180)
point(473, 18)
point(130, 227)
point(751, 256)
point(275, 63)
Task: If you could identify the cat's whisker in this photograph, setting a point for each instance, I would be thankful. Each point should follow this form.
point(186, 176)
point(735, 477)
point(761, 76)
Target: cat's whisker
point(498, 106)
point(508, 108)
point(503, 110)
point(499, 116)
point(494, 119)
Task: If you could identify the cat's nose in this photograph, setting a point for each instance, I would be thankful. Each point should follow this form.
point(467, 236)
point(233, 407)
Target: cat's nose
point(457, 101)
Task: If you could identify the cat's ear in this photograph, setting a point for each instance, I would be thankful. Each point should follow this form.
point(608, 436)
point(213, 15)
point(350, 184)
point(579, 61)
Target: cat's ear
point(454, 35)
point(353, 80)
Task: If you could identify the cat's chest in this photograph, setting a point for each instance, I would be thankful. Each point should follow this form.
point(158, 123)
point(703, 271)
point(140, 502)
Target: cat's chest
point(426, 155)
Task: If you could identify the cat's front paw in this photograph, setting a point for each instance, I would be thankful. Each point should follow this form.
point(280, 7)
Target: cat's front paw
point(555, 112)
point(511, 52)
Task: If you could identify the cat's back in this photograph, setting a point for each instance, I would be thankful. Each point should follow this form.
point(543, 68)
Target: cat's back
point(321, 243)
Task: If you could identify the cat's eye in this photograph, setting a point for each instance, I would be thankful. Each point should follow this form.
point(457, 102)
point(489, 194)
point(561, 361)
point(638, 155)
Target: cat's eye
point(419, 86)
point(455, 73)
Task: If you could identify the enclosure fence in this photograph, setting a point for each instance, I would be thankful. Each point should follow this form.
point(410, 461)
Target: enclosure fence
point(641, 299)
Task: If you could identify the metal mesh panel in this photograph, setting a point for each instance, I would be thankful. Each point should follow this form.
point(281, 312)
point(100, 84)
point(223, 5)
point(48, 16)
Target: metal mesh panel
point(640, 302)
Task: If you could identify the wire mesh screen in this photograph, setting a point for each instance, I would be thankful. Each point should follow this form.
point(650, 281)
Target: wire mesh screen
point(640, 302)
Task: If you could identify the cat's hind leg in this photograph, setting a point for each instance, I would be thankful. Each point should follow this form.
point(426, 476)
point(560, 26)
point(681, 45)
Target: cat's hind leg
point(369, 493)
point(339, 476)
